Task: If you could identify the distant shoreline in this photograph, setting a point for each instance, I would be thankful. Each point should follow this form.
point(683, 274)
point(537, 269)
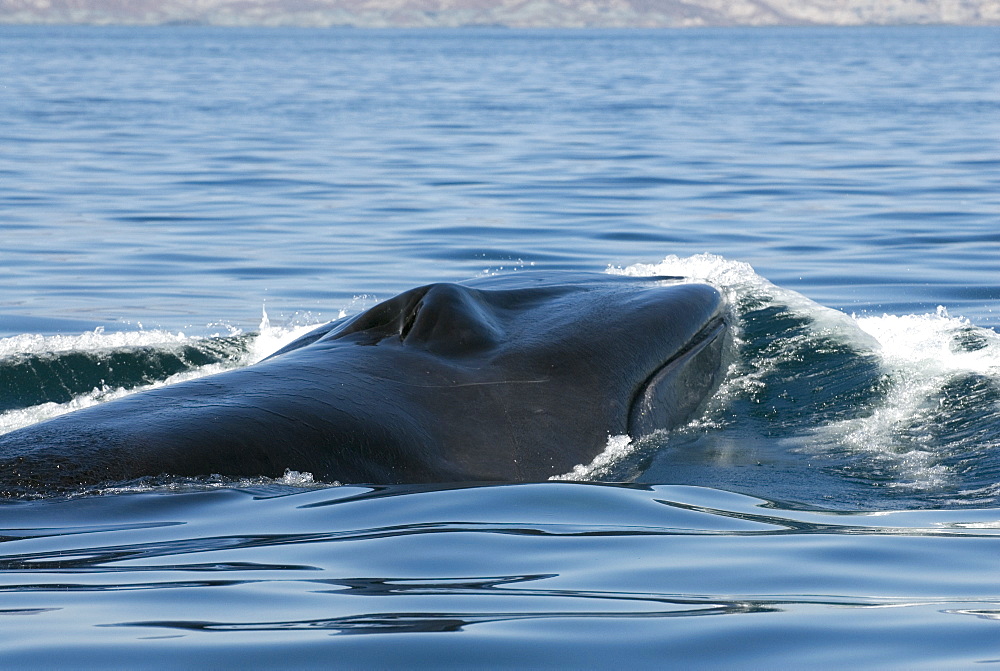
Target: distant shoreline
point(530, 14)
point(471, 27)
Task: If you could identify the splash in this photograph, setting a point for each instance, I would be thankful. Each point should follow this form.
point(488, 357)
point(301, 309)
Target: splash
point(297, 478)
point(269, 339)
point(618, 449)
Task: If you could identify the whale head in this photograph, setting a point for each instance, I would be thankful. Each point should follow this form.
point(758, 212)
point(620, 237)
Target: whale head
point(522, 374)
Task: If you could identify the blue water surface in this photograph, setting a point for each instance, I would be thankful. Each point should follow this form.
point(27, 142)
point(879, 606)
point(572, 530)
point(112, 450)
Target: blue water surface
point(184, 176)
point(837, 502)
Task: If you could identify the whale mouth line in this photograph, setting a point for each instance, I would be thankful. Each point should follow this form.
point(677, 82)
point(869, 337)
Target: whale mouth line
point(702, 339)
point(643, 402)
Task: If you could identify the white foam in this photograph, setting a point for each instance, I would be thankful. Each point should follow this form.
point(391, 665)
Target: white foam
point(929, 345)
point(31, 343)
point(710, 268)
point(617, 449)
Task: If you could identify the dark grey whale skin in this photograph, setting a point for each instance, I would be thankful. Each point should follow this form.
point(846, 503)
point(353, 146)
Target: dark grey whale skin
point(510, 378)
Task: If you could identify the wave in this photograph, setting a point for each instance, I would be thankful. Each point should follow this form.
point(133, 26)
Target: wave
point(850, 403)
point(45, 376)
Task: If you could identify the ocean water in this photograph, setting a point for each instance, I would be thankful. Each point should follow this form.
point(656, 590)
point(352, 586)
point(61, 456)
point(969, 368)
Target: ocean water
point(179, 201)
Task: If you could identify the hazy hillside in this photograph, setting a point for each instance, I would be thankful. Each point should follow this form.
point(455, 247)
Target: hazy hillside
point(514, 13)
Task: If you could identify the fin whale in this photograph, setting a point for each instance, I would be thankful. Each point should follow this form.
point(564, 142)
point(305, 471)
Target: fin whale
point(508, 378)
